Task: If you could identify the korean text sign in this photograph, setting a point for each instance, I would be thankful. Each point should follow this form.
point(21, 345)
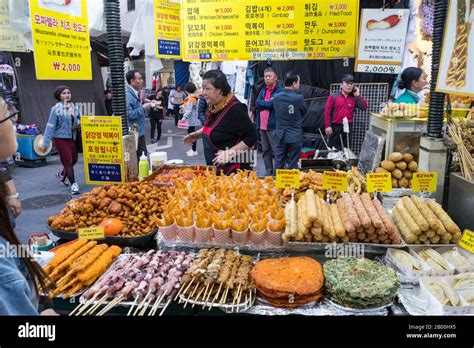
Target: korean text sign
point(61, 40)
point(103, 154)
point(269, 29)
point(167, 28)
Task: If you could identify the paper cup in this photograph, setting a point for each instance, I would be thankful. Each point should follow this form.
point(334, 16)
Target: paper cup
point(169, 233)
point(257, 238)
point(240, 237)
point(203, 235)
point(186, 234)
point(222, 236)
point(273, 237)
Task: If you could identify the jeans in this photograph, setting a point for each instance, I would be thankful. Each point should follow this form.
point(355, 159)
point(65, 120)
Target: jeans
point(268, 150)
point(176, 114)
point(287, 154)
point(155, 124)
point(190, 130)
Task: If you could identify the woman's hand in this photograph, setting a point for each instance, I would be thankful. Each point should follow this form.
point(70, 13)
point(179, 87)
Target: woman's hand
point(15, 206)
point(223, 157)
point(190, 138)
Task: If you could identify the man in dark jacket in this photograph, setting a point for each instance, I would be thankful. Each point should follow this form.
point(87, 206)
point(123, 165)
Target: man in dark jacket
point(202, 109)
point(289, 107)
point(266, 117)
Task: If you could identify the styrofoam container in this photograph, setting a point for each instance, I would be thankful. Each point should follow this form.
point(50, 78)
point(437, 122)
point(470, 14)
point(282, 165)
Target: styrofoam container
point(464, 253)
point(435, 306)
point(434, 273)
point(412, 274)
point(467, 295)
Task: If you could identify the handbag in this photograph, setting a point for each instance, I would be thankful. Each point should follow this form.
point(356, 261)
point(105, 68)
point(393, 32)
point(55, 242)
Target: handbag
point(183, 123)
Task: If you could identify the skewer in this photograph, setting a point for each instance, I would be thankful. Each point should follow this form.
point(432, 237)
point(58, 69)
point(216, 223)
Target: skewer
point(187, 287)
point(238, 300)
point(145, 306)
point(166, 306)
point(87, 304)
point(191, 296)
point(215, 297)
point(133, 305)
point(111, 305)
point(224, 296)
point(141, 303)
point(94, 307)
point(157, 303)
point(197, 297)
point(76, 309)
point(208, 296)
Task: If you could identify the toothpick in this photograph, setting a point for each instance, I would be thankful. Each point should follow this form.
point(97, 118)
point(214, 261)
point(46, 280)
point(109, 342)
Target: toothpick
point(94, 308)
point(166, 306)
point(143, 301)
point(145, 306)
point(191, 296)
point(112, 304)
point(224, 296)
point(197, 297)
point(87, 304)
point(189, 285)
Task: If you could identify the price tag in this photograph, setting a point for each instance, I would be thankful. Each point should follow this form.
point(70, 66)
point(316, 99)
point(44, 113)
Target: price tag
point(91, 233)
point(426, 182)
point(288, 178)
point(336, 181)
point(379, 182)
point(467, 241)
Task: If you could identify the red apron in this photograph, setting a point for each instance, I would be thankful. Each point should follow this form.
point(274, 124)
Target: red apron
point(210, 149)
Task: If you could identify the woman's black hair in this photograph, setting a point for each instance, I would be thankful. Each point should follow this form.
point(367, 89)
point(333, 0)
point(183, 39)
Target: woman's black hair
point(408, 76)
point(218, 80)
point(290, 78)
point(190, 88)
point(59, 90)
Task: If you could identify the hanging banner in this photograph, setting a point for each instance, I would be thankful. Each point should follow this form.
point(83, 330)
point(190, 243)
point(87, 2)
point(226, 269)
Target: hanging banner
point(382, 40)
point(102, 145)
point(166, 16)
point(10, 39)
point(61, 40)
point(457, 56)
point(265, 29)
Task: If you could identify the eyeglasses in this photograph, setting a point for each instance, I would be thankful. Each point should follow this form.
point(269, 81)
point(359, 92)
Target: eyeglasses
point(9, 109)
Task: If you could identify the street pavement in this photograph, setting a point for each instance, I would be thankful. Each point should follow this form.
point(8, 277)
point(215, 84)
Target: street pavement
point(32, 183)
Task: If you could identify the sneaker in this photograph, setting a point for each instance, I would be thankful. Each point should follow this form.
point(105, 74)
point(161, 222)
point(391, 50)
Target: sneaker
point(193, 153)
point(75, 189)
point(189, 153)
point(153, 141)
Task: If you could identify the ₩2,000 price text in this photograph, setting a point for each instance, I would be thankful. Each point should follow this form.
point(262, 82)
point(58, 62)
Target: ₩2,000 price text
point(67, 67)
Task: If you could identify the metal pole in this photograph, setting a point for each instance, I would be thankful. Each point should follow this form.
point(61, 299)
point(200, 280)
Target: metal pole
point(436, 108)
point(116, 58)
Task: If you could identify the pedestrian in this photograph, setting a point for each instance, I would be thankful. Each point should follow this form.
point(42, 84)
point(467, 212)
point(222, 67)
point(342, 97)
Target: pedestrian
point(21, 278)
point(341, 105)
point(266, 117)
point(202, 109)
point(63, 127)
point(13, 197)
point(156, 115)
point(136, 112)
point(108, 102)
point(177, 99)
point(228, 133)
point(289, 107)
point(191, 113)
point(413, 80)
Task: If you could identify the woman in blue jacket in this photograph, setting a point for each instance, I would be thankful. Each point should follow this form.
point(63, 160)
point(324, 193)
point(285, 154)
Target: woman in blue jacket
point(63, 124)
point(18, 273)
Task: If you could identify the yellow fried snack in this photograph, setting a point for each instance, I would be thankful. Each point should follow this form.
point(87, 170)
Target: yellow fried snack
point(99, 266)
point(63, 253)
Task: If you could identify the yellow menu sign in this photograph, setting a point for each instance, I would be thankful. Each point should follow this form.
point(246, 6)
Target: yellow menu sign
point(379, 182)
point(336, 181)
point(103, 154)
point(166, 16)
point(288, 178)
point(61, 40)
point(426, 182)
point(467, 241)
point(269, 29)
point(91, 233)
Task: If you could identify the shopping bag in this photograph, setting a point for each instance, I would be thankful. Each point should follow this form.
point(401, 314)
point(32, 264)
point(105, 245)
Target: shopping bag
point(183, 124)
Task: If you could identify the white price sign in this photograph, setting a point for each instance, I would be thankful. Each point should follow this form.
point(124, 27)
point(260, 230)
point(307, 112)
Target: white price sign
point(379, 68)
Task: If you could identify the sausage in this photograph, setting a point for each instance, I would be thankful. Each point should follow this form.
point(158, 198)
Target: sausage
point(350, 228)
point(351, 212)
point(385, 217)
point(359, 207)
point(371, 211)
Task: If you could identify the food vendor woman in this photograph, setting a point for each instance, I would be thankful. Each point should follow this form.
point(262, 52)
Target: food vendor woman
point(228, 132)
point(413, 80)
